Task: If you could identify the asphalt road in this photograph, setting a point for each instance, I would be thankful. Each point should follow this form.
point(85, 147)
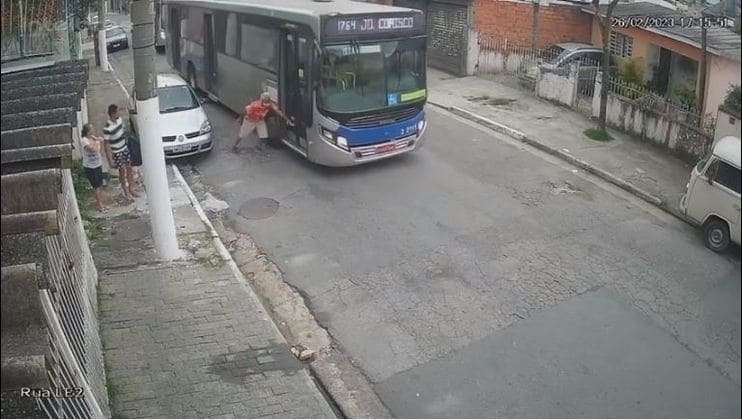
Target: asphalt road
point(477, 278)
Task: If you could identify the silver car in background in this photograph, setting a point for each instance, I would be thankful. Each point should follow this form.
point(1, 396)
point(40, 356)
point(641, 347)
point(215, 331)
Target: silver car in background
point(116, 39)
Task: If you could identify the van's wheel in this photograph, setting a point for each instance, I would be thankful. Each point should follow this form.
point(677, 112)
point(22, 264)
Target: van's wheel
point(716, 235)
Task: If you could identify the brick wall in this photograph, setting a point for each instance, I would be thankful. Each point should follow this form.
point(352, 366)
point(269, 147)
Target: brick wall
point(513, 20)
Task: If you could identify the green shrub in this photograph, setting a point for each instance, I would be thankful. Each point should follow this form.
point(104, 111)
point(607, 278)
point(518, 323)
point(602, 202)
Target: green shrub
point(733, 101)
point(597, 134)
point(632, 71)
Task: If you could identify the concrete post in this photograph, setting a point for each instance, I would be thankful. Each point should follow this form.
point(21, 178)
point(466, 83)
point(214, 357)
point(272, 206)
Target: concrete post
point(102, 51)
point(701, 101)
point(148, 112)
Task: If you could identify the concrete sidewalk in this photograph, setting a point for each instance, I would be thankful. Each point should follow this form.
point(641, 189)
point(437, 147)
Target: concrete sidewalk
point(643, 167)
point(189, 338)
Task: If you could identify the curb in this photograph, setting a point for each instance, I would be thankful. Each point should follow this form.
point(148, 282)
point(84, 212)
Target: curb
point(227, 258)
point(588, 167)
point(327, 367)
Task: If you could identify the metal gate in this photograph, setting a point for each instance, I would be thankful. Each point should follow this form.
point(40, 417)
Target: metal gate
point(29, 27)
point(448, 25)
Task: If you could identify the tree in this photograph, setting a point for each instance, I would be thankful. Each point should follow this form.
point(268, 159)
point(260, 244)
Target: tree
point(605, 33)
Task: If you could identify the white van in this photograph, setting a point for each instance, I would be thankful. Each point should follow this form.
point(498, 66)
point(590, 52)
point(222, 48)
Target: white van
point(712, 196)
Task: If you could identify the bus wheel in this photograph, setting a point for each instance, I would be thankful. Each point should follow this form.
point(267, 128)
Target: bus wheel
point(716, 235)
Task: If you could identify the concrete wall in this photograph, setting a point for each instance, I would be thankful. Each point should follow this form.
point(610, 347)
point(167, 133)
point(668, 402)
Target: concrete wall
point(558, 88)
point(722, 73)
point(727, 125)
point(513, 20)
point(666, 130)
point(494, 61)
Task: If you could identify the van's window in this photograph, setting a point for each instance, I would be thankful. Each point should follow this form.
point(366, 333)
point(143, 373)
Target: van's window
point(728, 176)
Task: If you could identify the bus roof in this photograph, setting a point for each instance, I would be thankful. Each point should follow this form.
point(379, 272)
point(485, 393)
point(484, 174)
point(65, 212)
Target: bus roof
point(728, 148)
point(306, 12)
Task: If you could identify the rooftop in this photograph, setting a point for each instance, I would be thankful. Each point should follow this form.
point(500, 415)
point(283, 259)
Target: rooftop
point(720, 41)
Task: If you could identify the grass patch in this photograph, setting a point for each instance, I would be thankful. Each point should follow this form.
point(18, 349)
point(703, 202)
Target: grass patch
point(84, 193)
point(597, 134)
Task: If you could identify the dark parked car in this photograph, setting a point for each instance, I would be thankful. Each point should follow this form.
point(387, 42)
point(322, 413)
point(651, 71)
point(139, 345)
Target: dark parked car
point(116, 38)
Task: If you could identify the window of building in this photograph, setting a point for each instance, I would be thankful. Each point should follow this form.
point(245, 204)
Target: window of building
point(232, 35)
point(621, 45)
point(257, 46)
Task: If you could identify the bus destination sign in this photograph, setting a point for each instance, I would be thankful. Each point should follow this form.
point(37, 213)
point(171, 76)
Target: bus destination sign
point(339, 26)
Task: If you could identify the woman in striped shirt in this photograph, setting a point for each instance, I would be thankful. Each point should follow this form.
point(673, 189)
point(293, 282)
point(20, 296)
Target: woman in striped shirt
point(117, 151)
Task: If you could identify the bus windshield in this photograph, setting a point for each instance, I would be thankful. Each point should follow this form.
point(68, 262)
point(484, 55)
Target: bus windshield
point(364, 77)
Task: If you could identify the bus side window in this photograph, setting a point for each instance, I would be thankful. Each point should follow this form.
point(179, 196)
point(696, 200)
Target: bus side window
point(220, 31)
point(232, 35)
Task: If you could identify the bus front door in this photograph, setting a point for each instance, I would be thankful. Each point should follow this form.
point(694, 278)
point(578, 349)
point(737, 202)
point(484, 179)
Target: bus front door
point(294, 86)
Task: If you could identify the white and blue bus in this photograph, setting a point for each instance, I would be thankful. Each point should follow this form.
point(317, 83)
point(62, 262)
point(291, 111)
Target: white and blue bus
point(351, 75)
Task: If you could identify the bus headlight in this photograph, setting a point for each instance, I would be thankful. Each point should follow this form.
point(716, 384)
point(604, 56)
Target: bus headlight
point(333, 138)
point(205, 127)
point(420, 126)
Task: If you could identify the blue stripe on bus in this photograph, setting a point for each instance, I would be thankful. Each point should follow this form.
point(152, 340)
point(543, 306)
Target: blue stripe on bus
point(382, 133)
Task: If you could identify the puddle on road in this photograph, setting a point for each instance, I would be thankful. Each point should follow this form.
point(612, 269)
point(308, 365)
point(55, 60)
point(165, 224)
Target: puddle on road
point(240, 366)
point(488, 100)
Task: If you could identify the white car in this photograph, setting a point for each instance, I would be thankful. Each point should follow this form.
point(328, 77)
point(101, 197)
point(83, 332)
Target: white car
point(183, 124)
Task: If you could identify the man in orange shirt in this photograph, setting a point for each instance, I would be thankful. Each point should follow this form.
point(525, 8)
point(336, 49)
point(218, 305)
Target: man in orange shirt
point(254, 118)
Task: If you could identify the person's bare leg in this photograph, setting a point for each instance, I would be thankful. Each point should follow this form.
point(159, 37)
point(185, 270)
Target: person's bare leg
point(99, 199)
point(236, 145)
point(130, 178)
point(123, 180)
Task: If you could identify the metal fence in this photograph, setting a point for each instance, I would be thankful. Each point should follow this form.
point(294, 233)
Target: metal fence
point(30, 27)
point(70, 307)
point(649, 100)
point(522, 65)
point(501, 59)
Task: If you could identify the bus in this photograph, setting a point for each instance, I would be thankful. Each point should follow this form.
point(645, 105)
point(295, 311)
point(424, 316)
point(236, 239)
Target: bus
point(350, 76)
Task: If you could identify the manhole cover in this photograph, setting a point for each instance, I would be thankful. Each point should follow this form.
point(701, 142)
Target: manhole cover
point(258, 208)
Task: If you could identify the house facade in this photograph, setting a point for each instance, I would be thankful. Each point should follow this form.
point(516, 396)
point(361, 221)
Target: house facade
point(669, 59)
point(455, 27)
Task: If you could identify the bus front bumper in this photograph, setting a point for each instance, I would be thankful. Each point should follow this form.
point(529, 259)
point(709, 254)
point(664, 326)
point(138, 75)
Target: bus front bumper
point(327, 154)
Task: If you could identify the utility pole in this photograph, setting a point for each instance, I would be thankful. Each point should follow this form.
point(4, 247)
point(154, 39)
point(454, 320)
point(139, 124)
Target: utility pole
point(534, 34)
point(702, 71)
point(148, 111)
point(102, 50)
